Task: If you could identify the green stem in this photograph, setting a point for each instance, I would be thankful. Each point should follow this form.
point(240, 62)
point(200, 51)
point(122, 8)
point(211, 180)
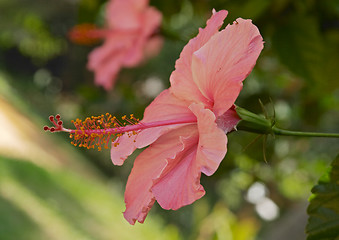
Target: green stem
point(251, 122)
point(278, 131)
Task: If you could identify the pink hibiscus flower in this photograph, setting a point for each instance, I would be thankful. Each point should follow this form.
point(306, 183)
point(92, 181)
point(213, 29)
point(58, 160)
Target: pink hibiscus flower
point(185, 127)
point(128, 37)
point(204, 86)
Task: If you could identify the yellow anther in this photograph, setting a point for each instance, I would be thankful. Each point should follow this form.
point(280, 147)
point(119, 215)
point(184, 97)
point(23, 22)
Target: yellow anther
point(101, 130)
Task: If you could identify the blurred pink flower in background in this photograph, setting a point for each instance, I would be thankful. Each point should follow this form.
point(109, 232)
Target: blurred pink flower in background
point(129, 37)
point(197, 110)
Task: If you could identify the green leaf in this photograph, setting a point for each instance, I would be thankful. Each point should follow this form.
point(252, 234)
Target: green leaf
point(323, 211)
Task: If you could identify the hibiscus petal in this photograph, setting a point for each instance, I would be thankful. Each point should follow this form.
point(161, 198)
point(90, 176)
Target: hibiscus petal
point(164, 107)
point(181, 79)
point(151, 20)
point(106, 74)
point(179, 183)
point(220, 66)
point(125, 14)
point(122, 147)
point(134, 55)
point(229, 120)
point(153, 46)
point(106, 60)
point(147, 167)
point(212, 146)
point(112, 44)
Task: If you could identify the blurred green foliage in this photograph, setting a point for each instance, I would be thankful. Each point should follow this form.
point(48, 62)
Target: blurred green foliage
point(42, 73)
point(324, 209)
point(37, 203)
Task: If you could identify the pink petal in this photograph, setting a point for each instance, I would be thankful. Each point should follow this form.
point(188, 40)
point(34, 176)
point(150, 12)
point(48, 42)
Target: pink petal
point(179, 183)
point(148, 166)
point(181, 79)
point(135, 53)
point(131, 23)
point(153, 46)
point(125, 14)
point(164, 107)
point(151, 20)
point(126, 147)
point(106, 74)
point(113, 44)
point(221, 65)
point(228, 120)
point(106, 60)
point(212, 146)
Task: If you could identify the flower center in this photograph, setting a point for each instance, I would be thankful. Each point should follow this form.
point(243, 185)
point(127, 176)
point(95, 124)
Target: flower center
point(86, 34)
point(105, 129)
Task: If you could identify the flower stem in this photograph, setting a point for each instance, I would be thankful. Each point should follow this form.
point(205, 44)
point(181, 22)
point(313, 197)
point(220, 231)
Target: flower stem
point(251, 122)
point(278, 131)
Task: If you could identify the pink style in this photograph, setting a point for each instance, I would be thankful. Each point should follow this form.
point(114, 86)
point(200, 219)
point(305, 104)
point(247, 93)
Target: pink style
point(128, 39)
point(193, 117)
